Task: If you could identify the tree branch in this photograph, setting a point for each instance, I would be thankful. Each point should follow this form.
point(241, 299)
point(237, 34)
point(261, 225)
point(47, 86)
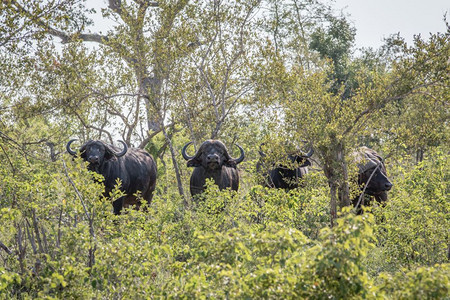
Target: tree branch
point(382, 104)
point(65, 37)
point(3, 246)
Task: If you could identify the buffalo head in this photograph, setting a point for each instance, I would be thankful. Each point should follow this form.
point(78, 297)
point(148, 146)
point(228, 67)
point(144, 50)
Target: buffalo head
point(97, 152)
point(286, 171)
point(212, 155)
point(372, 175)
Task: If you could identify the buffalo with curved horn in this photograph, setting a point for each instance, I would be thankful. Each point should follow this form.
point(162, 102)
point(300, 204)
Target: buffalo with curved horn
point(281, 176)
point(372, 177)
point(134, 167)
point(213, 161)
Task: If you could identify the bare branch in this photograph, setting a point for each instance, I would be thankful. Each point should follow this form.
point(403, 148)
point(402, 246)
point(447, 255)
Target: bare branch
point(4, 247)
point(147, 139)
point(93, 127)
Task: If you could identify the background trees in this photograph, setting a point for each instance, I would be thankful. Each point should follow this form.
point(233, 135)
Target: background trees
point(167, 72)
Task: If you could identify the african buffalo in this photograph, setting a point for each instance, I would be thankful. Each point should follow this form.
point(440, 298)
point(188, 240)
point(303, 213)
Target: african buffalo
point(372, 177)
point(213, 161)
point(286, 176)
point(134, 167)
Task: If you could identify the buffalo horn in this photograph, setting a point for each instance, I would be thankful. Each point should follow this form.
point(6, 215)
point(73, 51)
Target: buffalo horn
point(124, 150)
point(183, 152)
point(70, 151)
point(370, 163)
point(310, 153)
point(240, 158)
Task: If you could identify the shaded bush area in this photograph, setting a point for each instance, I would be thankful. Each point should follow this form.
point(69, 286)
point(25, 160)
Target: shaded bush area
point(64, 241)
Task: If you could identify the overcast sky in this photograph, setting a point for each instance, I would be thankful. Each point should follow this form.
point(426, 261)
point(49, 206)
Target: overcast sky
point(375, 20)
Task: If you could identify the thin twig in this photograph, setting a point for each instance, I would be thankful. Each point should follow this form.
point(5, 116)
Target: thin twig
point(367, 183)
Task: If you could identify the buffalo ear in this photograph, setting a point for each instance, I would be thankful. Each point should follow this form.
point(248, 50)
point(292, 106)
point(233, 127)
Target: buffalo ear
point(83, 152)
point(109, 153)
point(303, 161)
point(194, 162)
point(230, 163)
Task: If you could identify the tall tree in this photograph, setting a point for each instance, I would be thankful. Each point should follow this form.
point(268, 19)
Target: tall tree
point(215, 80)
point(141, 46)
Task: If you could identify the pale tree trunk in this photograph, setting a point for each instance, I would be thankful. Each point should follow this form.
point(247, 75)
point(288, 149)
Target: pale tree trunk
point(336, 171)
point(344, 191)
point(152, 88)
point(175, 166)
point(333, 202)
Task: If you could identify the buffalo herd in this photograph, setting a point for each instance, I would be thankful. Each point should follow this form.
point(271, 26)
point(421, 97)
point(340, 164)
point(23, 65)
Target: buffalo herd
point(136, 170)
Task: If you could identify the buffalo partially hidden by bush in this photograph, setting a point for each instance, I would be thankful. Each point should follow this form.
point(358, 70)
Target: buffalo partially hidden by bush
point(372, 176)
point(284, 176)
point(134, 167)
point(212, 161)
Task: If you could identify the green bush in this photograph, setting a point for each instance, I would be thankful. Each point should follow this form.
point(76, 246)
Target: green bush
point(413, 227)
point(260, 244)
point(305, 208)
point(421, 283)
point(277, 262)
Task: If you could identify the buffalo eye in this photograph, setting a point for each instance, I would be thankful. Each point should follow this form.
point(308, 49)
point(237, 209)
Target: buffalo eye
point(369, 171)
point(83, 152)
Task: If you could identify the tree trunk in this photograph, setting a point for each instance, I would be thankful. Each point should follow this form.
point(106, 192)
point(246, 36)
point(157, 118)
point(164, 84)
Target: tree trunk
point(151, 87)
point(336, 171)
point(175, 165)
point(344, 191)
point(333, 202)
point(419, 155)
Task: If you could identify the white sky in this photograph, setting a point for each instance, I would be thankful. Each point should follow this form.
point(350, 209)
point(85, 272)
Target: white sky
point(375, 20)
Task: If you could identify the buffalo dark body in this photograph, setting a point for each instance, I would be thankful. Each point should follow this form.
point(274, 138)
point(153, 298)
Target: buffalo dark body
point(212, 161)
point(371, 166)
point(285, 177)
point(134, 167)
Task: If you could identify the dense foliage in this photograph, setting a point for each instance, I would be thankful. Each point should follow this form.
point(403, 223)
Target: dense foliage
point(278, 73)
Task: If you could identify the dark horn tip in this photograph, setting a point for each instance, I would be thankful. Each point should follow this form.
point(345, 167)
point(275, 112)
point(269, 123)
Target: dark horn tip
point(124, 150)
point(69, 150)
point(183, 151)
point(242, 156)
point(310, 152)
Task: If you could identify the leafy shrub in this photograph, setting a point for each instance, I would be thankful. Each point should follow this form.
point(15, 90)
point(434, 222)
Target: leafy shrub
point(305, 208)
point(266, 243)
point(421, 283)
point(413, 228)
point(277, 262)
